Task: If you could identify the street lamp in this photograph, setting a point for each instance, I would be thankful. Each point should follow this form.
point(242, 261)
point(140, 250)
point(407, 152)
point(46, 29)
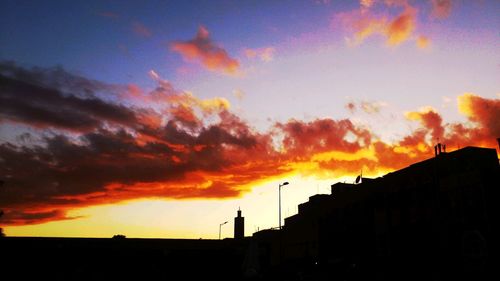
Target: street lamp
point(279, 199)
point(220, 226)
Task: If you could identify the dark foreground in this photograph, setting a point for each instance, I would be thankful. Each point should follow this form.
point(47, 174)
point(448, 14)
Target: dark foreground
point(26, 258)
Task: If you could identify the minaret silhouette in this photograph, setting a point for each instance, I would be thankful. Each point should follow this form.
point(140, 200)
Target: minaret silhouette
point(239, 226)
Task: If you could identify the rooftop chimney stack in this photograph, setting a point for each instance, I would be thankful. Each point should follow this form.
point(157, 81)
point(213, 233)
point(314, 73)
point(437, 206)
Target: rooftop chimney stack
point(439, 148)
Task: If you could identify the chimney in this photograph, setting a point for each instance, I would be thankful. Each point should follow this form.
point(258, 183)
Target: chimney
point(439, 148)
point(239, 226)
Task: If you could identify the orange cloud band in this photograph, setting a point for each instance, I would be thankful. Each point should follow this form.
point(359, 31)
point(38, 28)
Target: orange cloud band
point(191, 148)
point(204, 50)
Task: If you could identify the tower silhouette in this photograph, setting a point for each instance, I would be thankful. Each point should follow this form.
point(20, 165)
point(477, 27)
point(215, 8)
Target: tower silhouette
point(239, 226)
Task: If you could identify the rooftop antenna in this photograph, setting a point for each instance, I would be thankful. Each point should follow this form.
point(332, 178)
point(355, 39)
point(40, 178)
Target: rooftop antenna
point(358, 178)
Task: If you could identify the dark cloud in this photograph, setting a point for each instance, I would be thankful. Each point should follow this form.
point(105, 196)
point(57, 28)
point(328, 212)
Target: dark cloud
point(16, 217)
point(37, 99)
point(54, 78)
point(106, 152)
point(303, 139)
point(129, 160)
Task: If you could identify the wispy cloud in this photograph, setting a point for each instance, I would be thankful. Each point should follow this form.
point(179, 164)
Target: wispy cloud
point(423, 42)
point(366, 4)
point(367, 21)
point(140, 29)
point(264, 54)
point(239, 94)
point(207, 52)
point(441, 9)
point(107, 14)
point(369, 107)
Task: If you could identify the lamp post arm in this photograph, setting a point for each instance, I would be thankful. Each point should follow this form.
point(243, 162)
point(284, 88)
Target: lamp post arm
point(279, 205)
point(220, 226)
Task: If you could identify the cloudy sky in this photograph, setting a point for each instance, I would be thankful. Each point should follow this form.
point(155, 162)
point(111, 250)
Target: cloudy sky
point(162, 118)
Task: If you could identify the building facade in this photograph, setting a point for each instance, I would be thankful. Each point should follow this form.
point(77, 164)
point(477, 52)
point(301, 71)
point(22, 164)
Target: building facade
point(435, 219)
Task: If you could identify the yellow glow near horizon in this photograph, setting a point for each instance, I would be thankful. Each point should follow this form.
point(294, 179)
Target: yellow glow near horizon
point(160, 218)
point(339, 155)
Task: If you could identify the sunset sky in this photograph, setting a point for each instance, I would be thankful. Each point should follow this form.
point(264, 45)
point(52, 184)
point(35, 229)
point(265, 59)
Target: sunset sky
point(162, 118)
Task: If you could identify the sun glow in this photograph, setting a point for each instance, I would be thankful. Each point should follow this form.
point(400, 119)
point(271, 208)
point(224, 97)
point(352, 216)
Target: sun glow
point(157, 218)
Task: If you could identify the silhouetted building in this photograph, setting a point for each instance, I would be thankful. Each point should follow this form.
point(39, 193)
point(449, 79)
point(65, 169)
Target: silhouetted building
point(47, 258)
point(436, 219)
point(239, 226)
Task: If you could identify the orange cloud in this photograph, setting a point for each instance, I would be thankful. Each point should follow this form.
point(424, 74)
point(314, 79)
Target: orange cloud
point(203, 49)
point(303, 139)
point(429, 119)
point(265, 54)
point(366, 4)
point(441, 8)
point(484, 112)
point(364, 23)
point(401, 28)
point(187, 147)
point(423, 42)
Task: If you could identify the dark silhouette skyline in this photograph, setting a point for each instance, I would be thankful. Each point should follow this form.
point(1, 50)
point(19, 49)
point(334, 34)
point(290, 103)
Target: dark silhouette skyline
point(433, 220)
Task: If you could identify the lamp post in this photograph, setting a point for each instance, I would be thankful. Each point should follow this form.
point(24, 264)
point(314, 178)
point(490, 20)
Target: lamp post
point(220, 226)
point(279, 199)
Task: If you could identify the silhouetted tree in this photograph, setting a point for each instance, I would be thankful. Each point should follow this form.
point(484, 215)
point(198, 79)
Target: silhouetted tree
point(119, 236)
